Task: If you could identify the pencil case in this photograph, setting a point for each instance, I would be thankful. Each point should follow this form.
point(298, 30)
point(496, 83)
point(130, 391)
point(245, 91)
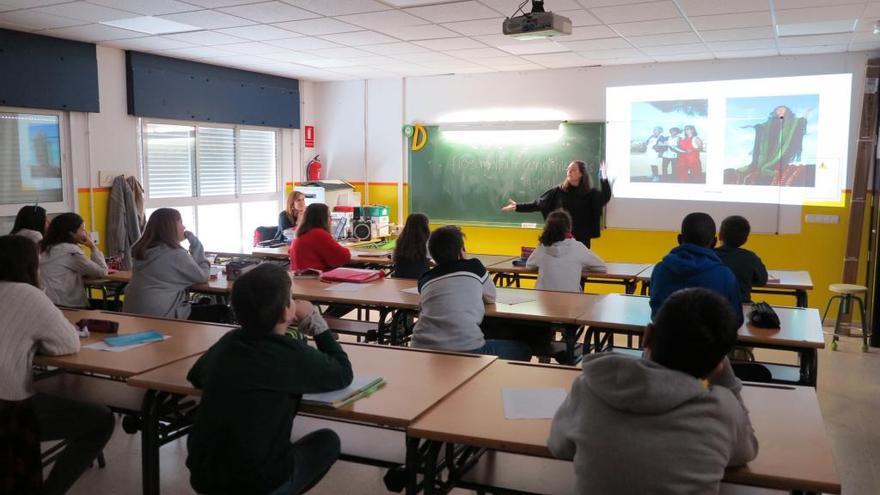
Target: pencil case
point(102, 326)
point(134, 338)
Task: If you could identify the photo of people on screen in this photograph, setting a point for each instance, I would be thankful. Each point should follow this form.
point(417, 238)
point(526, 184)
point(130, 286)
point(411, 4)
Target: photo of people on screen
point(665, 145)
point(775, 148)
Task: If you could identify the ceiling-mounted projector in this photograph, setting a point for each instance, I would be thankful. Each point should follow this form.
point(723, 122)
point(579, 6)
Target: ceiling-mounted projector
point(536, 24)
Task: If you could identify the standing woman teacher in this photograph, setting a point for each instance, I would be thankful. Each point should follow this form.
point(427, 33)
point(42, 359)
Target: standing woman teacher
point(576, 196)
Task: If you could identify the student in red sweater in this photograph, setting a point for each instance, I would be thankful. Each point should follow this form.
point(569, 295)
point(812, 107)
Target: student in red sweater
point(314, 247)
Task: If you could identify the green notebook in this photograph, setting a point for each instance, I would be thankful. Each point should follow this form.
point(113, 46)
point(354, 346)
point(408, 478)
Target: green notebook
point(361, 386)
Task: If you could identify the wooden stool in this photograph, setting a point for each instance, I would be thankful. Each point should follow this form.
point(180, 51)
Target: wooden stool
point(846, 294)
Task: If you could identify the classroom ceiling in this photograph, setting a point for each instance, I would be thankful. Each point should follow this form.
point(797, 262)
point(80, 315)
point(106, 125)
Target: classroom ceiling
point(327, 40)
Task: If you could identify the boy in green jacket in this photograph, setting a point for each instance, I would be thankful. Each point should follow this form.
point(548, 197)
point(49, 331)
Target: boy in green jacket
point(252, 381)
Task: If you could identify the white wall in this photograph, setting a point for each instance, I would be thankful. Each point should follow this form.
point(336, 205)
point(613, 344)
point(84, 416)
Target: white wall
point(564, 94)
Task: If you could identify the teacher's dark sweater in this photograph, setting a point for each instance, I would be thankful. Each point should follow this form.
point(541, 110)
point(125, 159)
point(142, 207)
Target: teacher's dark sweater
point(252, 385)
point(585, 209)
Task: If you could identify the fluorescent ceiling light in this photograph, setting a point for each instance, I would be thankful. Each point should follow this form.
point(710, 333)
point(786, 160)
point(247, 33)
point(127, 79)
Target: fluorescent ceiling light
point(811, 28)
point(151, 25)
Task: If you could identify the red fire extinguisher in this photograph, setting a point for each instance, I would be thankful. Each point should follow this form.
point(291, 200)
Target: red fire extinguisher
point(313, 169)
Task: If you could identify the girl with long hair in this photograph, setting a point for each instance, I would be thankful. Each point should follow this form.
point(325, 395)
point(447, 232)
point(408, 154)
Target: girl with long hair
point(292, 214)
point(30, 222)
point(559, 258)
point(411, 250)
point(314, 246)
point(63, 263)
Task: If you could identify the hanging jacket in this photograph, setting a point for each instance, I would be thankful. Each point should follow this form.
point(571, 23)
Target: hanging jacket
point(123, 227)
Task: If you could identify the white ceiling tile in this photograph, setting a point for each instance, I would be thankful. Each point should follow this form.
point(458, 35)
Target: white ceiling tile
point(746, 53)
point(31, 19)
point(819, 14)
point(730, 21)
point(92, 33)
point(642, 28)
point(608, 54)
point(397, 66)
point(818, 27)
point(424, 32)
point(580, 17)
point(738, 45)
point(240, 61)
point(208, 19)
point(599, 44)
point(315, 27)
point(197, 52)
point(151, 25)
point(828, 39)
point(426, 58)
point(625, 61)
point(366, 72)
point(151, 7)
point(872, 11)
point(394, 48)
point(686, 49)
point(25, 4)
point(805, 50)
point(864, 46)
point(259, 32)
point(500, 40)
point(453, 12)
point(712, 7)
point(359, 38)
point(865, 36)
point(450, 44)
point(383, 19)
point(339, 7)
point(476, 28)
point(205, 38)
point(303, 43)
point(341, 52)
point(151, 43)
point(507, 7)
point(557, 60)
point(502, 60)
point(637, 12)
point(476, 53)
point(752, 33)
point(664, 39)
point(524, 66)
point(328, 63)
point(799, 4)
point(269, 12)
point(589, 4)
point(684, 57)
point(253, 48)
point(375, 60)
point(84, 11)
point(589, 33)
point(213, 4)
point(288, 56)
point(533, 47)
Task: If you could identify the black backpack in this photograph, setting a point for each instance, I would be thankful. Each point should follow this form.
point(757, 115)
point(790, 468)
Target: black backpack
point(763, 316)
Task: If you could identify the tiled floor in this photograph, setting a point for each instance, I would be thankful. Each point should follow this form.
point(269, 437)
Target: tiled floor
point(849, 393)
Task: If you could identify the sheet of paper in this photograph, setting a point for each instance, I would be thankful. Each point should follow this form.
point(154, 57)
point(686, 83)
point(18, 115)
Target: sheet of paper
point(102, 346)
point(531, 403)
point(411, 290)
point(345, 287)
point(357, 384)
point(772, 276)
point(510, 297)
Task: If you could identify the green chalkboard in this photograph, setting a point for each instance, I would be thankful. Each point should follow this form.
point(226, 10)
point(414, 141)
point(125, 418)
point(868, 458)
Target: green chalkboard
point(463, 183)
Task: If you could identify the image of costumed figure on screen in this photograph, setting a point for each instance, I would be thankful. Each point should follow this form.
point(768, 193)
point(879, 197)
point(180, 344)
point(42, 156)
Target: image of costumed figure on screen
point(665, 142)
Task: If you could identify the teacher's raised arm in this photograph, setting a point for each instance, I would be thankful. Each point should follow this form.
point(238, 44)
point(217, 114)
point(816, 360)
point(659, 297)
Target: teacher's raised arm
point(577, 196)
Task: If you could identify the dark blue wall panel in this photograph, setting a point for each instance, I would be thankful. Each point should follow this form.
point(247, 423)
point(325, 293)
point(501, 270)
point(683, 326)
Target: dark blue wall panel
point(170, 88)
point(43, 72)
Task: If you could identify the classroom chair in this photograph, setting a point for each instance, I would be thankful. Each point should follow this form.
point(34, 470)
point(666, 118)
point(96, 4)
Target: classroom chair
point(845, 294)
point(264, 234)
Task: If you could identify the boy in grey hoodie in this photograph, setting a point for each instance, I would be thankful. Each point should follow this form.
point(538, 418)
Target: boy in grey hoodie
point(670, 422)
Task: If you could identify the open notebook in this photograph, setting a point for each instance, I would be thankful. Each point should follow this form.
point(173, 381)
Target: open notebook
point(361, 386)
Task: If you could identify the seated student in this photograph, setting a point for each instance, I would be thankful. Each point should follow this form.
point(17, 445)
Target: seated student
point(252, 381)
point(411, 249)
point(292, 214)
point(63, 263)
point(29, 322)
point(314, 247)
point(30, 222)
point(694, 264)
point(746, 266)
point(452, 303)
point(559, 258)
point(163, 270)
point(668, 423)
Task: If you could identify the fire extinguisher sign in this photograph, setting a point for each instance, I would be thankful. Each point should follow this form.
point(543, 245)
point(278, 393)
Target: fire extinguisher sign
point(309, 136)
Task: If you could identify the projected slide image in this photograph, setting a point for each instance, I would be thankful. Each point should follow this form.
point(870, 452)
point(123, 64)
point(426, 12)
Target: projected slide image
point(666, 144)
point(772, 141)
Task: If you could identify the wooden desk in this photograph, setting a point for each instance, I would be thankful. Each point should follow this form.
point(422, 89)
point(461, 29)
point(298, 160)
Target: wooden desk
point(507, 274)
point(788, 283)
point(801, 328)
point(187, 338)
point(416, 380)
point(794, 451)
point(219, 285)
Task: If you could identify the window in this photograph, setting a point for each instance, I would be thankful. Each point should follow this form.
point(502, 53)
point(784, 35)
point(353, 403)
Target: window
point(33, 160)
point(223, 179)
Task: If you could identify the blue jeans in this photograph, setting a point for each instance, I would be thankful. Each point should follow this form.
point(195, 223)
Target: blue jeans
point(505, 349)
point(314, 455)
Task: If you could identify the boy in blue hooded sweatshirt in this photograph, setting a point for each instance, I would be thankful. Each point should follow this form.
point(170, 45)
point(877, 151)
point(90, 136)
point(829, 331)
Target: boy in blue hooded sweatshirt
point(694, 263)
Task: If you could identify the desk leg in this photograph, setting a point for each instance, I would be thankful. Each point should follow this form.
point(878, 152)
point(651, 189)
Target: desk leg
point(570, 343)
point(801, 296)
point(429, 480)
point(412, 465)
point(646, 286)
point(630, 286)
point(809, 367)
point(150, 443)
